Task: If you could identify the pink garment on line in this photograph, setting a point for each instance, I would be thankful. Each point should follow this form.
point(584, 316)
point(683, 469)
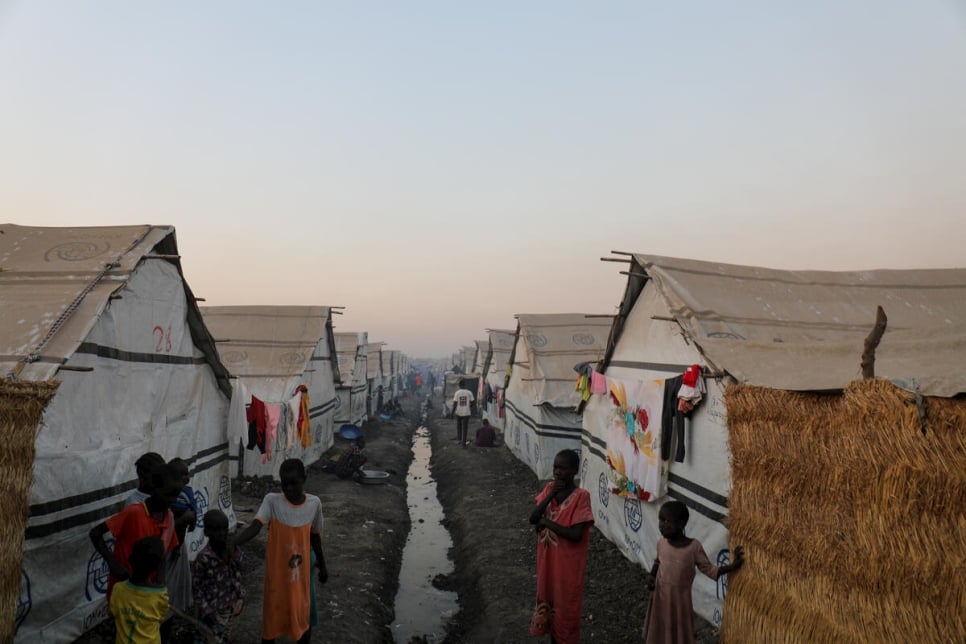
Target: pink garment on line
point(273, 411)
point(598, 383)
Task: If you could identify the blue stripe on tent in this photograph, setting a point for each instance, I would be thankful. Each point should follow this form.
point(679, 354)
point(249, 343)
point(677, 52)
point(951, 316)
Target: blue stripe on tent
point(322, 410)
point(133, 356)
point(650, 366)
point(594, 446)
point(544, 429)
point(47, 529)
point(691, 486)
point(68, 502)
point(714, 515)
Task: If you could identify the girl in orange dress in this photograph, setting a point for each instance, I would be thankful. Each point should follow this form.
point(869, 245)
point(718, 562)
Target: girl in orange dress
point(670, 617)
point(294, 521)
point(563, 517)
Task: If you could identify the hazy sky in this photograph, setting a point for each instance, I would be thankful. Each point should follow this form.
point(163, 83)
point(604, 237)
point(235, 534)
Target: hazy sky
point(437, 167)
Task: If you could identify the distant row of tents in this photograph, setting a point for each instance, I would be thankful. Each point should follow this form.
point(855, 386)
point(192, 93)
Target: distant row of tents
point(787, 428)
point(106, 354)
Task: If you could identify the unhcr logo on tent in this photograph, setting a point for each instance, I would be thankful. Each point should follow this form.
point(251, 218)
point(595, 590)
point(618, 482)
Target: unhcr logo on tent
point(76, 251)
point(603, 490)
point(98, 573)
point(632, 513)
point(234, 357)
point(537, 340)
point(24, 601)
point(224, 492)
point(201, 500)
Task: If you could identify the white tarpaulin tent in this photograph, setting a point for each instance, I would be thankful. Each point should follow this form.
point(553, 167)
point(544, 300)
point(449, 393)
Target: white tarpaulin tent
point(540, 398)
point(352, 394)
point(105, 311)
point(468, 358)
point(395, 379)
point(374, 374)
point(270, 351)
point(793, 330)
point(479, 356)
point(499, 347)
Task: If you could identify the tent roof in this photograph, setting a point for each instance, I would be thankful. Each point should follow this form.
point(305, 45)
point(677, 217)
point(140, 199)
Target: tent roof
point(347, 344)
point(554, 343)
point(270, 341)
point(805, 330)
point(374, 361)
point(498, 353)
point(56, 282)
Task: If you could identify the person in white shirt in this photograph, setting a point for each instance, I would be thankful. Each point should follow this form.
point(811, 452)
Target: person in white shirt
point(462, 406)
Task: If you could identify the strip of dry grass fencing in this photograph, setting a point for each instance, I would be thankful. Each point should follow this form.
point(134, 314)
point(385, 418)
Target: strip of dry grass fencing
point(21, 407)
point(852, 509)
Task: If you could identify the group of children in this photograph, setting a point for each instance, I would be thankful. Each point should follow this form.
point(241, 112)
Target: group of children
point(562, 520)
point(151, 578)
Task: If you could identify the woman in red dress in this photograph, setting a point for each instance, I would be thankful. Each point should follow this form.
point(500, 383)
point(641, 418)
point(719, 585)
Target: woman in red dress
point(563, 518)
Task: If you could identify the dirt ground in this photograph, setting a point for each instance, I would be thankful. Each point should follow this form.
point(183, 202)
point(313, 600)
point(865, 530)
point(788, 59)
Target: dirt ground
point(487, 496)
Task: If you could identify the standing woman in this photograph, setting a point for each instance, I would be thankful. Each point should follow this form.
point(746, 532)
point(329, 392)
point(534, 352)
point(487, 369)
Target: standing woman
point(563, 518)
point(294, 521)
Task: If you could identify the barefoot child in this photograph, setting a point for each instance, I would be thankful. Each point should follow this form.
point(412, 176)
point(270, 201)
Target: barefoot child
point(670, 618)
point(563, 518)
point(294, 521)
point(217, 579)
point(139, 604)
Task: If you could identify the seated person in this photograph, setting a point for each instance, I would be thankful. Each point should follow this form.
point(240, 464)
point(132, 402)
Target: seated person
point(352, 460)
point(486, 435)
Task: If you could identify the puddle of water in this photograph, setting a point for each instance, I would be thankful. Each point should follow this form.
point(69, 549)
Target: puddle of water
point(422, 610)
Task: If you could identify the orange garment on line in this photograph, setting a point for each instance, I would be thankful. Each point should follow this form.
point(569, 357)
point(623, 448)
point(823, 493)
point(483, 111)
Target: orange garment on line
point(286, 607)
point(304, 425)
point(560, 568)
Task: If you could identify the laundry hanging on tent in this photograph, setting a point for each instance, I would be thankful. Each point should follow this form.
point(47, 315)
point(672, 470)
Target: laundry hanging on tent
point(583, 386)
point(272, 413)
point(692, 389)
point(598, 383)
point(282, 432)
point(294, 405)
point(237, 414)
point(255, 415)
point(303, 426)
point(632, 427)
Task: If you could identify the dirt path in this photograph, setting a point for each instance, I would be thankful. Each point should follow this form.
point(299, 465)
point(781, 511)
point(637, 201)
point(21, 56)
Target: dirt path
point(487, 496)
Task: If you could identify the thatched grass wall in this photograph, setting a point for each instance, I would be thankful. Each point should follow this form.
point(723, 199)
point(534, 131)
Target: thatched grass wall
point(21, 407)
point(852, 510)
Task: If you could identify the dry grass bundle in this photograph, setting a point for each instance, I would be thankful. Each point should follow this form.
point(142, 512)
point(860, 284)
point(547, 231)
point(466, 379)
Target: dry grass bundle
point(852, 507)
point(21, 407)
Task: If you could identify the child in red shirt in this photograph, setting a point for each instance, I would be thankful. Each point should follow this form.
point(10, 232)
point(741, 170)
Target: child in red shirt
point(149, 518)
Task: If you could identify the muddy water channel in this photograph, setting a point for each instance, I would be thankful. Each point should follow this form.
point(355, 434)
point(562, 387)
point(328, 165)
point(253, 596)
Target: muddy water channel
point(421, 609)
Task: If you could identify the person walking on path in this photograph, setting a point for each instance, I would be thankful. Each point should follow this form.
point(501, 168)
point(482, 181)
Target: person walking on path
point(294, 521)
point(462, 406)
point(563, 518)
point(670, 616)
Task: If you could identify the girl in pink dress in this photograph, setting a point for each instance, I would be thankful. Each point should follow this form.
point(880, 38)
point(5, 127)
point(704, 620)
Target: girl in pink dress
point(670, 618)
point(563, 518)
